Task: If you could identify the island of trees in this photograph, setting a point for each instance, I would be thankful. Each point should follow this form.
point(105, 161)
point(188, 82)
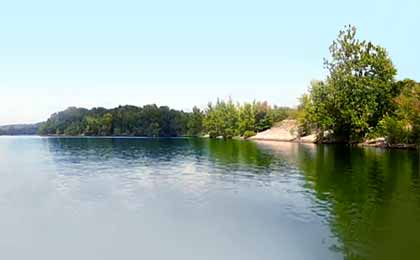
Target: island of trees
point(359, 99)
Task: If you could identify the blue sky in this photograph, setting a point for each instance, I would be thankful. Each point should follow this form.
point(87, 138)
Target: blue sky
point(55, 54)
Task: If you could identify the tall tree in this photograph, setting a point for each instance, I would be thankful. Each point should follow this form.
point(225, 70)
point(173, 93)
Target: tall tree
point(195, 122)
point(246, 118)
point(358, 91)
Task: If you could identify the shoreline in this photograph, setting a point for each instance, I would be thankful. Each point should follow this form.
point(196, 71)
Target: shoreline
point(288, 131)
point(366, 144)
point(362, 145)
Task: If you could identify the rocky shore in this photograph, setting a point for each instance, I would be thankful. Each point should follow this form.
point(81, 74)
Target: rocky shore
point(382, 143)
point(287, 131)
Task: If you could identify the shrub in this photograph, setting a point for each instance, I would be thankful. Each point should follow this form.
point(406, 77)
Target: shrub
point(229, 133)
point(248, 134)
point(213, 134)
point(395, 130)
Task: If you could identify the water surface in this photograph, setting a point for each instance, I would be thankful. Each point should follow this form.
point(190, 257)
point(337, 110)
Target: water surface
point(122, 198)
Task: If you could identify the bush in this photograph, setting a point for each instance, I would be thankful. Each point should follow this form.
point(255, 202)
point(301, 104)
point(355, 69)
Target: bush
point(395, 130)
point(229, 133)
point(213, 134)
point(248, 134)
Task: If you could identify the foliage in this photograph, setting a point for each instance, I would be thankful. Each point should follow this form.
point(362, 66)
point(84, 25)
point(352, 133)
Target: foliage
point(149, 120)
point(248, 134)
point(247, 118)
point(279, 114)
point(195, 122)
point(227, 119)
point(222, 119)
point(263, 116)
point(395, 130)
point(314, 111)
point(403, 125)
point(357, 93)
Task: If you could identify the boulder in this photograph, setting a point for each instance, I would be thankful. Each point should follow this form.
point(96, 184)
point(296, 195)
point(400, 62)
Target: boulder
point(313, 138)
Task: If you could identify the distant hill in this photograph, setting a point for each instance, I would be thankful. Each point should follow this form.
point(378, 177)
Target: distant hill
point(20, 129)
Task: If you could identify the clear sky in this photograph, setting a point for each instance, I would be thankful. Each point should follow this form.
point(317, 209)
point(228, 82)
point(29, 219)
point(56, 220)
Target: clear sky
point(55, 54)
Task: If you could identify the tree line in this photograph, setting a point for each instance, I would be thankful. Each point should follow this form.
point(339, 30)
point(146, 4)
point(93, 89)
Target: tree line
point(223, 119)
point(361, 97)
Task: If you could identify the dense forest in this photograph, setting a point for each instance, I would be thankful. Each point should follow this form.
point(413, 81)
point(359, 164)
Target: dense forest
point(361, 98)
point(224, 118)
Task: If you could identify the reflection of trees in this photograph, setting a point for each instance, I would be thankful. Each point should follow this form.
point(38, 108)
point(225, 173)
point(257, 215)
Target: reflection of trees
point(129, 152)
point(374, 197)
point(155, 151)
point(235, 152)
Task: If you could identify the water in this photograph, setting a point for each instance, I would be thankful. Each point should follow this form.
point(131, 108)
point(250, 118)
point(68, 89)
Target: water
point(105, 198)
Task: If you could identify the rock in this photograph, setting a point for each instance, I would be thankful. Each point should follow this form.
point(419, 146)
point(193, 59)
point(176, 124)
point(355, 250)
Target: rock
point(313, 138)
point(402, 146)
point(376, 142)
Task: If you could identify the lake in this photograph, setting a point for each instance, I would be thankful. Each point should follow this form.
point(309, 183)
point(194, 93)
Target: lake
point(187, 198)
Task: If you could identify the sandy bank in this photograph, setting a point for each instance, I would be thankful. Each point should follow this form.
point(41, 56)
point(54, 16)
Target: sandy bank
point(284, 131)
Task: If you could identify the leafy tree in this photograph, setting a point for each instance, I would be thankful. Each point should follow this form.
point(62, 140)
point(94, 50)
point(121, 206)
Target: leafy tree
point(263, 116)
point(227, 120)
point(315, 109)
point(230, 119)
point(92, 125)
point(246, 118)
point(222, 119)
point(358, 91)
point(107, 124)
point(403, 125)
point(279, 114)
point(212, 122)
point(195, 122)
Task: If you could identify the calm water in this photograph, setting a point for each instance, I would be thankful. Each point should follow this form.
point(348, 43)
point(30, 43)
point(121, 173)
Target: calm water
point(88, 198)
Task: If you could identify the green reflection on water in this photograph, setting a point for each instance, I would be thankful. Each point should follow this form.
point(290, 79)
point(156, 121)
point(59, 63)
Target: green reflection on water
point(373, 194)
point(374, 197)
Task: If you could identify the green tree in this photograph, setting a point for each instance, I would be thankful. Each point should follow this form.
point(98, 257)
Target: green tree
point(222, 119)
point(212, 122)
point(106, 123)
point(279, 114)
point(263, 116)
point(195, 122)
point(246, 118)
point(358, 91)
point(92, 125)
point(403, 126)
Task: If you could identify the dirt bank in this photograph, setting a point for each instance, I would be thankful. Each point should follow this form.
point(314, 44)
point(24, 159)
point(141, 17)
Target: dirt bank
point(284, 131)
